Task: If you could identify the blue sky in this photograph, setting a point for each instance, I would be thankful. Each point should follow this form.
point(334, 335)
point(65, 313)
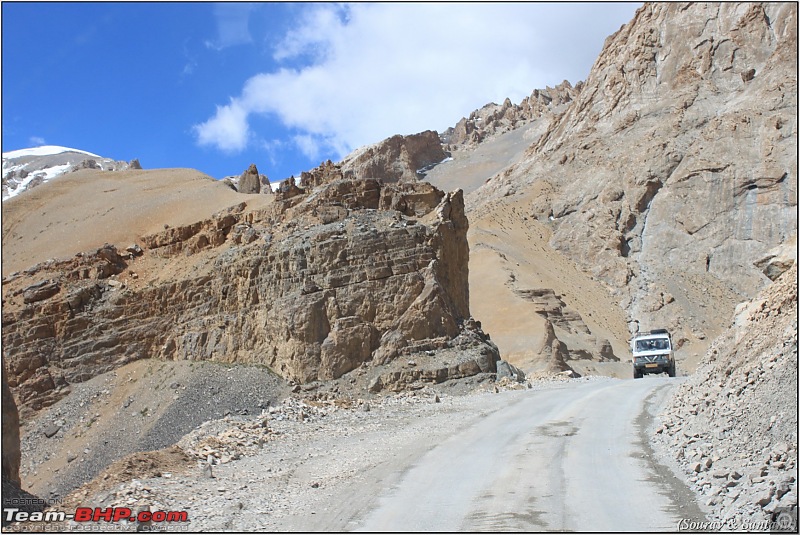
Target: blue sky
point(216, 87)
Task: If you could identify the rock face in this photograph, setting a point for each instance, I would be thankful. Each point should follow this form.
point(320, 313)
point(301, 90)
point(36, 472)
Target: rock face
point(397, 159)
point(313, 286)
point(11, 452)
point(778, 259)
point(733, 425)
point(250, 181)
point(325, 173)
point(675, 167)
point(13, 495)
point(556, 313)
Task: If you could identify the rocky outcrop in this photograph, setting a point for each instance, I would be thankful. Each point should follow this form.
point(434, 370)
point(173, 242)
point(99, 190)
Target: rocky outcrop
point(13, 495)
point(674, 169)
point(576, 340)
point(326, 172)
point(11, 452)
point(313, 286)
point(288, 189)
point(249, 181)
point(396, 159)
point(266, 187)
point(733, 425)
point(493, 119)
point(778, 259)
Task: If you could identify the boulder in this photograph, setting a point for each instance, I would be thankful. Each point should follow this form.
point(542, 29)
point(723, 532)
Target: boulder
point(506, 369)
point(778, 259)
point(40, 291)
point(396, 159)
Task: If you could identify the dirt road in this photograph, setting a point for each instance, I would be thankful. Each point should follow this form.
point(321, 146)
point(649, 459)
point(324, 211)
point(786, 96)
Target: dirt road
point(560, 455)
point(571, 458)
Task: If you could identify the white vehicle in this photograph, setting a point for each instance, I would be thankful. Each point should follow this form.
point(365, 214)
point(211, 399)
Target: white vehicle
point(652, 353)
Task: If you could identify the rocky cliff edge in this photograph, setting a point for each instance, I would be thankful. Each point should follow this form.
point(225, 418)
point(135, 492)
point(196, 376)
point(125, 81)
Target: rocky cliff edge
point(348, 276)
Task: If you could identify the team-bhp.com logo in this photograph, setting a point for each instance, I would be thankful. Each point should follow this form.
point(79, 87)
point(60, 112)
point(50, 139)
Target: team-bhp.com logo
point(95, 514)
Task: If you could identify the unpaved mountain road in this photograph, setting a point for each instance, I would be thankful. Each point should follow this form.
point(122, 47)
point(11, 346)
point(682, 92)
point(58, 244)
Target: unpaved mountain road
point(562, 455)
point(573, 458)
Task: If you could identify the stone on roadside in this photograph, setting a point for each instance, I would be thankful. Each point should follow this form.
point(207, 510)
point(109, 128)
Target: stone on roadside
point(764, 496)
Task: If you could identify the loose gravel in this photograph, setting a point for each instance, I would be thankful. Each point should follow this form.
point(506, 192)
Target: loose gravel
point(732, 427)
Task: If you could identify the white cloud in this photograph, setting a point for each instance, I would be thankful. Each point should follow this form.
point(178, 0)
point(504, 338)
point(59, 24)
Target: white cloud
point(227, 130)
point(355, 74)
point(312, 34)
point(37, 141)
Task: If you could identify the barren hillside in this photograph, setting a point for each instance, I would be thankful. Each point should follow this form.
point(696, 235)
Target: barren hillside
point(85, 209)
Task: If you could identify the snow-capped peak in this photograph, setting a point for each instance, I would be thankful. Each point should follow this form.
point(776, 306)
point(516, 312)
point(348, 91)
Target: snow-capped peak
point(44, 150)
point(24, 169)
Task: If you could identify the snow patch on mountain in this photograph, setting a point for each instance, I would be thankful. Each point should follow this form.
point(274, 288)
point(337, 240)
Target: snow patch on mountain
point(24, 169)
point(44, 176)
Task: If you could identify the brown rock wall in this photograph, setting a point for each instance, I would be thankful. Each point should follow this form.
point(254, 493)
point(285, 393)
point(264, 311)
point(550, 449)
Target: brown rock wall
point(11, 451)
point(309, 295)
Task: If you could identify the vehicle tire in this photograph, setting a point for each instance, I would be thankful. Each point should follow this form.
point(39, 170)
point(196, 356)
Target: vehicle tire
point(671, 371)
point(637, 374)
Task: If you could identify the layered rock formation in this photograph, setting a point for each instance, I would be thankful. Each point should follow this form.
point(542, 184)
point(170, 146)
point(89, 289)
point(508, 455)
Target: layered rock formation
point(312, 286)
point(675, 167)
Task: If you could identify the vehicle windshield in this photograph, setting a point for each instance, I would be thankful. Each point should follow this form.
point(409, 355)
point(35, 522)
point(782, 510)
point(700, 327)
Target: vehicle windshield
point(652, 345)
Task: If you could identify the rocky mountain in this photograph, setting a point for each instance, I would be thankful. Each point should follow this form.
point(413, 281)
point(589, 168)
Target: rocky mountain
point(27, 168)
point(667, 176)
point(602, 189)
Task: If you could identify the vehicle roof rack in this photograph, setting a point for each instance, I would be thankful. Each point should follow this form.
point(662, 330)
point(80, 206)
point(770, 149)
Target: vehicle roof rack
point(659, 331)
